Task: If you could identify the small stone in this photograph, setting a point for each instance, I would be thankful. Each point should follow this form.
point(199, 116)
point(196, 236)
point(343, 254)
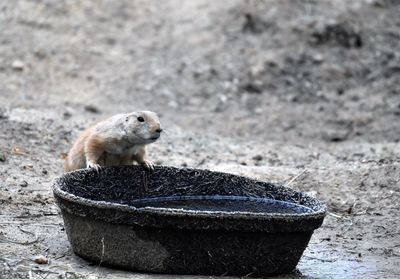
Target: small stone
point(223, 98)
point(18, 65)
point(3, 114)
point(258, 158)
point(44, 171)
point(3, 157)
point(258, 110)
point(173, 104)
point(40, 259)
point(340, 91)
point(318, 58)
point(336, 135)
point(257, 70)
point(253, 87)
point(312, 193)
point(24, 183)
point(67, 115)
point(376, 3)
point(40, 54)
point(91, 108)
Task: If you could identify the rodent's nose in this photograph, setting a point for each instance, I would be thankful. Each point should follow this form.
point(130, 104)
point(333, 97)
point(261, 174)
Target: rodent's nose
point(159, 130)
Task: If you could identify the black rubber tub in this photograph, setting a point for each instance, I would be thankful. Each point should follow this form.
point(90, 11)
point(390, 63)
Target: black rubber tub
point(185, 221)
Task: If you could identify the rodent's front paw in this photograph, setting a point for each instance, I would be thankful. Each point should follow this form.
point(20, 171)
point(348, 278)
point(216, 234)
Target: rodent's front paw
point(92, 165)
point(149, 165)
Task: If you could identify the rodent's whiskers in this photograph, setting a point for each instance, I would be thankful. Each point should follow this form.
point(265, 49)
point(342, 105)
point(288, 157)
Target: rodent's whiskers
point(164, 131)
point(162, 135)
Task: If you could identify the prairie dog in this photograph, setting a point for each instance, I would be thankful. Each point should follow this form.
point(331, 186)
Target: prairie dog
point(118, 140)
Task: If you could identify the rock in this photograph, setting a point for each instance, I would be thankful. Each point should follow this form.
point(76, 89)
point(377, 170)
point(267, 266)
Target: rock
point(338, 34)
point(258, 110)
point(3, 157)
point(340, 91)
point(18, 65)
point(24, 183)
point(40, 54)
point(254, 24)
point(223, 98)
point(40, 259)
point(318, 58)
point(312, 193)
point(67, 115)
point(376, 3)
point(253, 88)
point(257, 69)
point(173, 104)
point(62, 155)
point(337, 135)
point(91, 108)
point(258, 158)
point(3, 114)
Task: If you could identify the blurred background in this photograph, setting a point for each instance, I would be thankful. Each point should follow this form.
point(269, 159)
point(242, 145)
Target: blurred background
point(306, 93)
point(271, 70)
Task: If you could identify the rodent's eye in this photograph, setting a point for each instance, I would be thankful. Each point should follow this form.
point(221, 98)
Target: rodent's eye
point(140, 119)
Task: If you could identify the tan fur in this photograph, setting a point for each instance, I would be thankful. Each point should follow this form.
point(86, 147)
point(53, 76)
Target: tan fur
point(118, 140)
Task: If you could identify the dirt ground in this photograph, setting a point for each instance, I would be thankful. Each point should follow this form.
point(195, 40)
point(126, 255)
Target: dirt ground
point(274, 90)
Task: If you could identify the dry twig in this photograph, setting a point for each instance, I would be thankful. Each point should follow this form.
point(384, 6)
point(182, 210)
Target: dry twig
point(296, 177)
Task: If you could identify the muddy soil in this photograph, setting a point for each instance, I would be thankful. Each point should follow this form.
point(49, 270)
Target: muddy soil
point(302, 92)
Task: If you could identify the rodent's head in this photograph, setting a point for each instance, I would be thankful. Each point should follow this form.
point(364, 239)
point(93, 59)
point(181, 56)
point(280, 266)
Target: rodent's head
point(142, 126)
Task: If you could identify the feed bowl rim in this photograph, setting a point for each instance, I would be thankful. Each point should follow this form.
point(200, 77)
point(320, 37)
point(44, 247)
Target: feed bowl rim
point(320, 212)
